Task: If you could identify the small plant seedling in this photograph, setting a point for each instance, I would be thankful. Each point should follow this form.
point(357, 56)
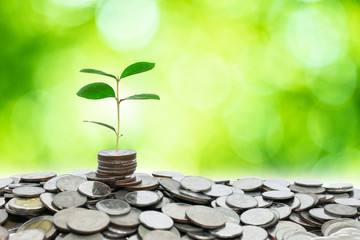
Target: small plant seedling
point(100, 90)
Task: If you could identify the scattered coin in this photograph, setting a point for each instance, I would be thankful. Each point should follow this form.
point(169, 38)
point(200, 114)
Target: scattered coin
point(196, 183)
point(230, 230)
point(69, 199)
point(253, 233)
point(340, 210)
point(94, 189)
point(28, 191)
point(50, 185)
point(156, 220)
point(248, 184)
point(241, 201)
point(33, 234)
point(130, 220)
point(60, 218)
point(161, 234)
point(205, 217)
point(176, 211)
point(278, 195)
point(257, 216)
point(88, 222)
point(113, 206)
point(44, 223)
point(37, 177)
point(142, 198)
point(230, 215)
point(308, 183)
point(69, 183)
point(218, 190)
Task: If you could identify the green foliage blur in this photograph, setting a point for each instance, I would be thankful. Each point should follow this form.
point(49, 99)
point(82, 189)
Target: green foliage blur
point(262, 87)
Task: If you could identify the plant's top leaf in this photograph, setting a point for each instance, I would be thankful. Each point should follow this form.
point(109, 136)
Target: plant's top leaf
point(136, 68)
point(89, 70)
point(143, 96)
point(102, 124)
point(96, 91)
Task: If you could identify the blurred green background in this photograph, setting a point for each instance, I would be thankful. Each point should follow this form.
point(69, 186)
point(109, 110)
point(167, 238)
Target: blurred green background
point(263, 87)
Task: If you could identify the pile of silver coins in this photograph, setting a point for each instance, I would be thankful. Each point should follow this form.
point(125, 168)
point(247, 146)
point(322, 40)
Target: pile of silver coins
point(170, 206)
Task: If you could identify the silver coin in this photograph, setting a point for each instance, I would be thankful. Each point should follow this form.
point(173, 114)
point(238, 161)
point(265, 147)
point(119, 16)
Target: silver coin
point(241, 201)
point(72, 236)
point(283, 210)
point(169, 184)
point(340, 210)
point(69, 183)
point(339, 186)
point(196, 183)
point(293, 203)
point(50, 185)
point(28, 191)
point(120, 231)
point(301, 189)
point(354, 202)
point(121, 194)
point(44, 223)
point(176, 211)
point(205, 217)
point(257, 216)
point(308, 183)
point(37, 177)
point(147, 183)
point(4, 182)
point(307, 200)
point(113, 206)
point(253, 233)
point(142, 198)
point(88, 222)
point(319, 213)
point(94, 189)
point(142, 231)
point(69, 199)
point(164, 201)
point(230, 215)
point(130, 220)
point(278, 195)
point(302, 236)
point(156, 220)
point(61, 218)
point(218, 190)
point(263, 203)
point(2, 202)
point(3, 216)
point(185, 228)
point(161, 234)
point(194, 196)
point(33, 234)
point(202, 235)
point(166, 174)
point(230, 230)
point(284, 224)
point(271, 186)
point(4, 233)
point(26, 205)
point(248, 184)
point(47, 200)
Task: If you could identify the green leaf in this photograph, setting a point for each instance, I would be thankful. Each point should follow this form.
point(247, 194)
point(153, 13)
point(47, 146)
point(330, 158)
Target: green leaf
point(89, 70)
point(96, 90)
point(143, 96)
point(102, 124)
point(136, 68)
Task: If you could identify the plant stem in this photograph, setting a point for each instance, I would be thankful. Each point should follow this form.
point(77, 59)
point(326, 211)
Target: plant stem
point(118, 114)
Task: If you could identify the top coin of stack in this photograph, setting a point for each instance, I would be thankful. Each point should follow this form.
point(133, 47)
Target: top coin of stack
point(118, 164)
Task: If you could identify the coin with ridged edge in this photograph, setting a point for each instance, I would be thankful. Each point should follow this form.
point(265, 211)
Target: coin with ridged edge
point(156, 220)
point(121, 154)
point(61, 218)
point(205, 217)
point(69, 183)
point(130, 220)
point(113, 206)
point(257, 216)
point(196, 183)
point(88, 222)
point(28, 191)
point(176, 211)
point(69, 199)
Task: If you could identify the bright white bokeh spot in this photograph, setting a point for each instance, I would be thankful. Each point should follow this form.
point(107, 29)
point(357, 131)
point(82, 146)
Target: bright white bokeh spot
point(200, 80)
point(128, 24)
point(335, 83)
point(317, 37)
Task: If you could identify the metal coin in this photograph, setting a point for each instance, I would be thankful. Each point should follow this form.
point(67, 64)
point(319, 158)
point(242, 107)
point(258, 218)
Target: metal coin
point(306, 201)
point(253, 233)
point(164, 201)
point(263, 203)
point(283, 210)
point(134, 182)
point(354, 202)
point(284, 224)
point(169, 184)
point(130, 220)
point(301, 189)
point(121, 154)
point(257, 216)
point(50, 185)
point(295, 217)
point(69, 199)
point(87, 222)
point(3, 216)
point(305, 215)
point(339, 186)
point(94, 189)
point(4, 182)
point(161, 234)
point(156, 220)
point(340, 210)
point(218, 190)
point(113, 206)
point(126, 179)
point(28, 191)
point(37, 177)
point(69, 183)
point(93, 177)
point(205, 217)
point(308, 183)
point(302, 236)
point(61, 218)
point(241, 201)
point(293, 203)
point(176, 211)
point(230, 230)
point(166, 174)
point(230, 215)
point(4, 233)
point(147, 183)
point(121, 194)
point(33, 234)
point(271, 186)
point(277, 195)
point(196, 183)
point(185, 228)
point(248, 184)
point(142, 198)
point(319, 213)
point(44, 223)
point(26, 205)
point(72, 236)
point(202, 235)
point(194, 196)
point(142, 231)
point(47, 200)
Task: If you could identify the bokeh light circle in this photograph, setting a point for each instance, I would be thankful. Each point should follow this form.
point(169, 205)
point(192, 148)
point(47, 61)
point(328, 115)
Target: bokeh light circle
point(128, 24)
point(200, 79)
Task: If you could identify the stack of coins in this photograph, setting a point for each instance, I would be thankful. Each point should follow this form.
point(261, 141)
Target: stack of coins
point(170, 206)
point(117, 165)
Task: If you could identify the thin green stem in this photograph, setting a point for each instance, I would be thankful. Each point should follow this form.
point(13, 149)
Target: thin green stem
point(118, 114)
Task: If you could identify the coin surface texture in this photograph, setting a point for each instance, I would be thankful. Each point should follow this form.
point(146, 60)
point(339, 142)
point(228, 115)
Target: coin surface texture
point(205, 217)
